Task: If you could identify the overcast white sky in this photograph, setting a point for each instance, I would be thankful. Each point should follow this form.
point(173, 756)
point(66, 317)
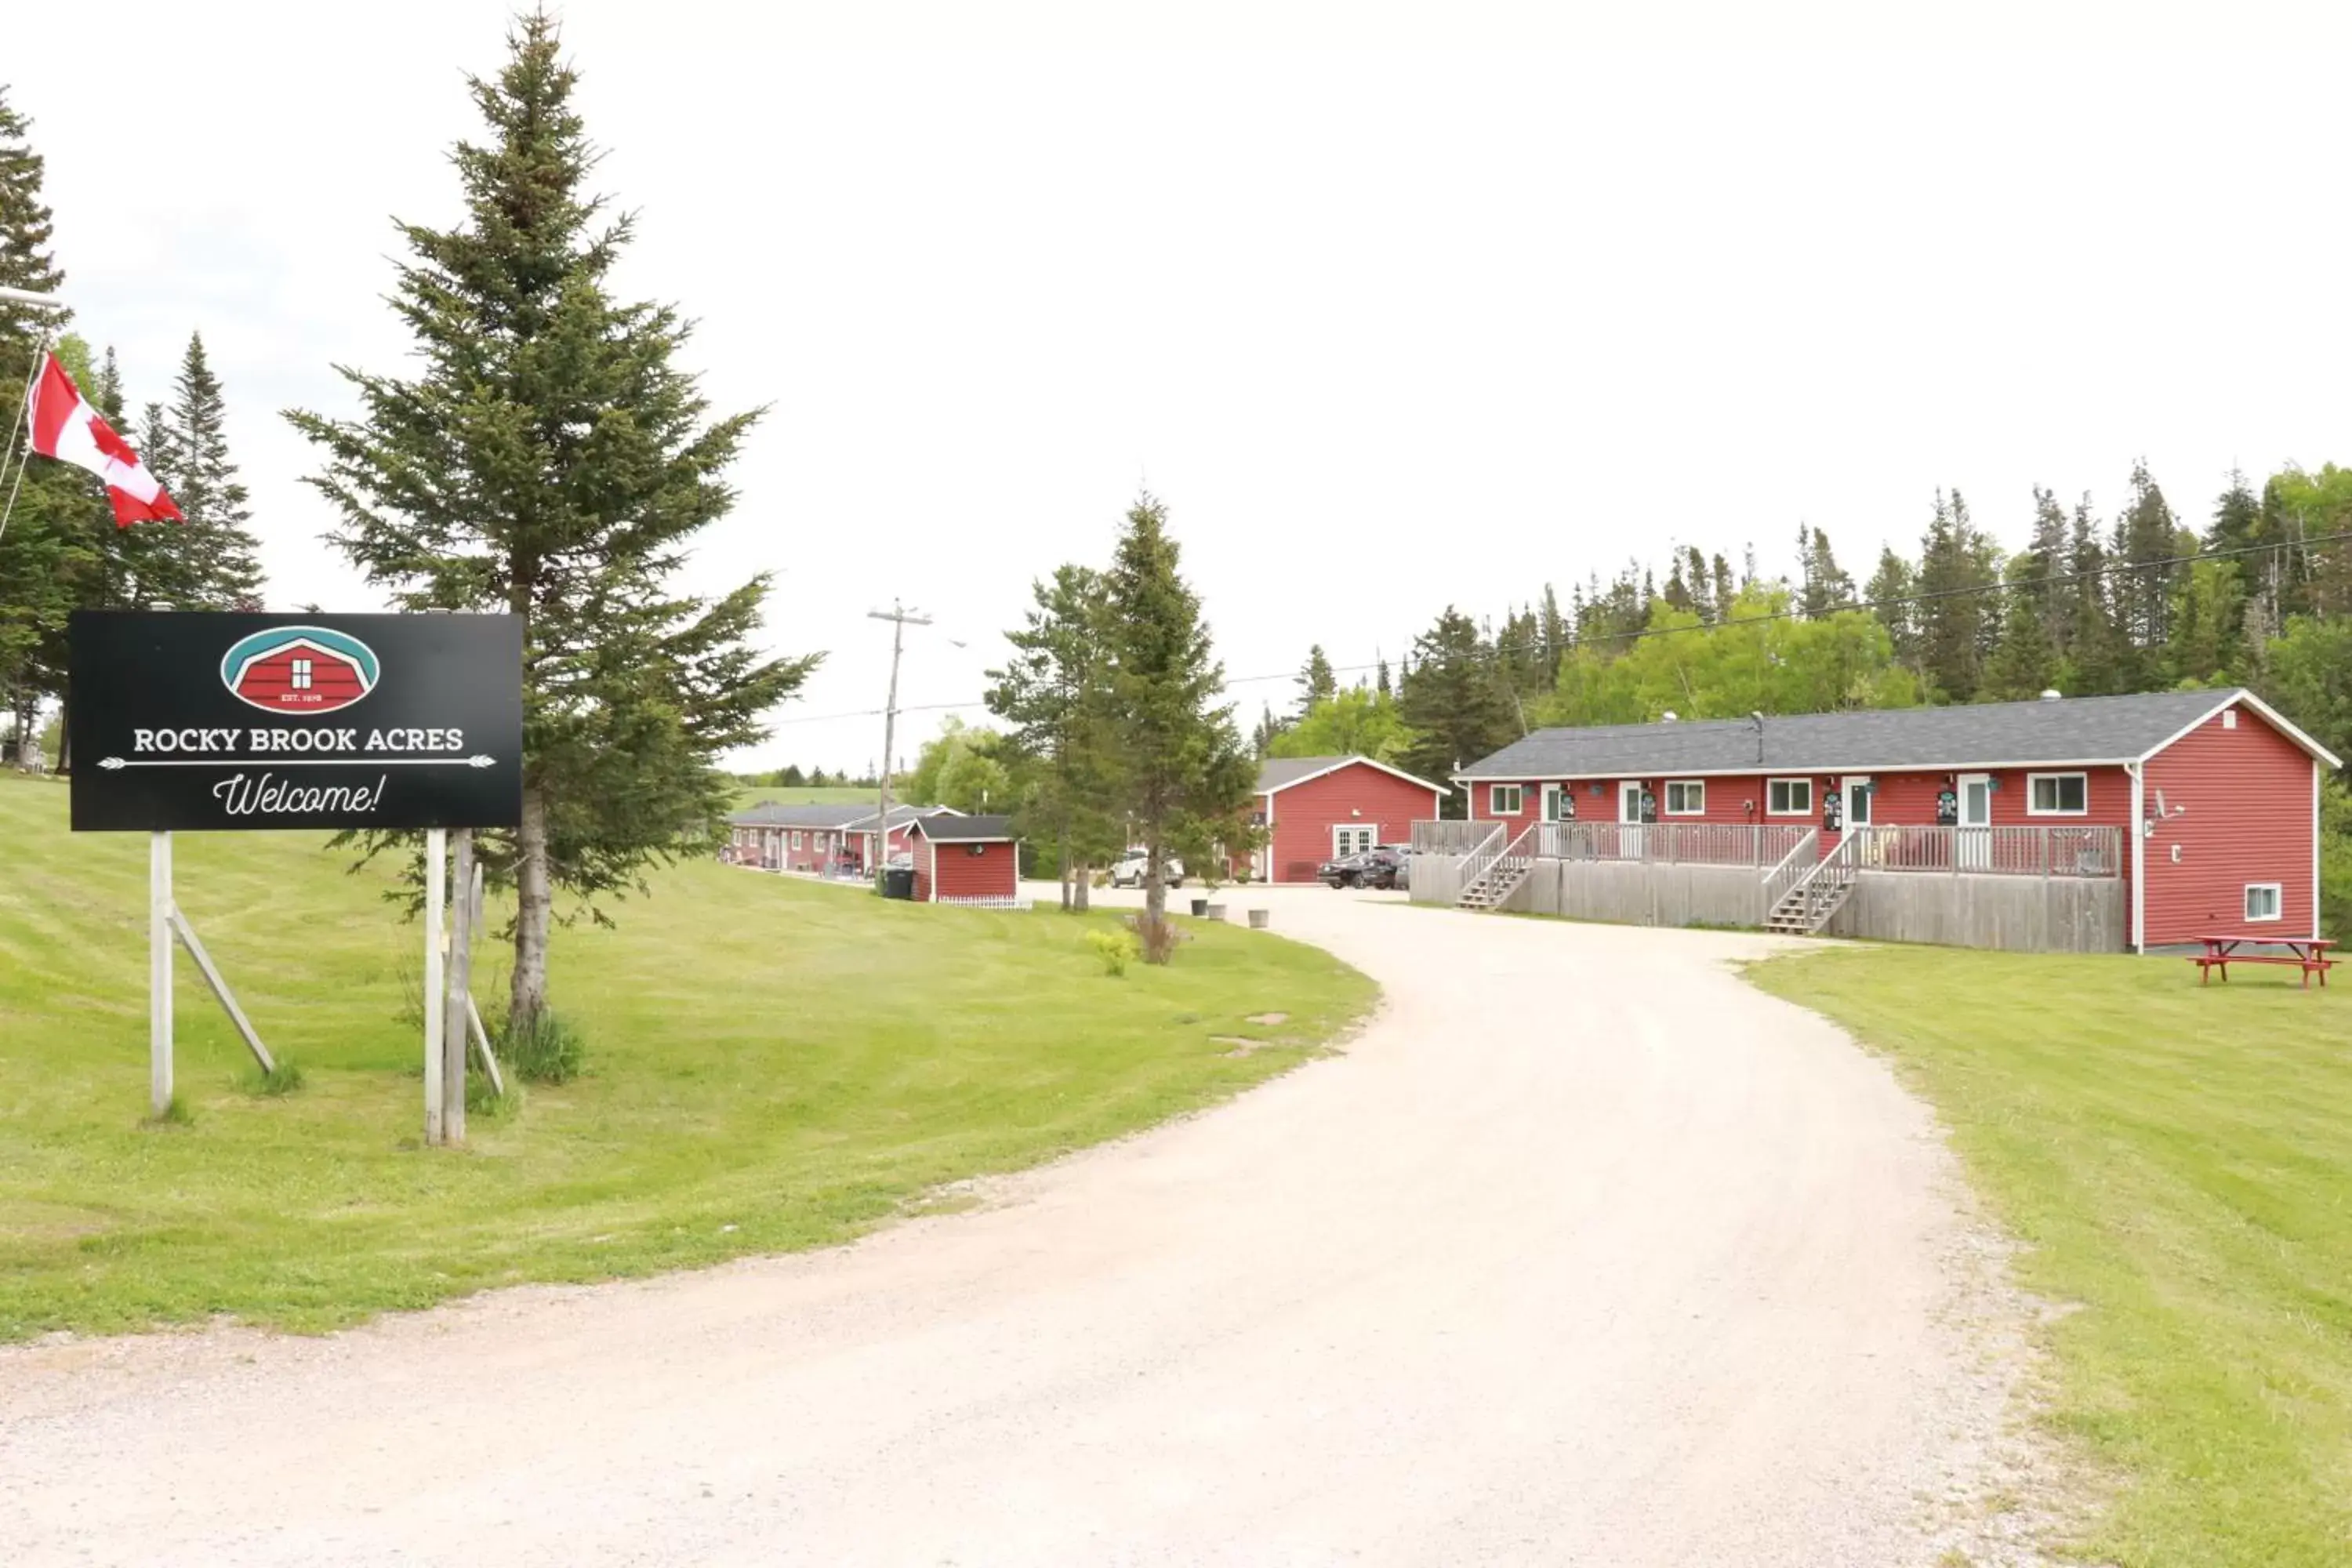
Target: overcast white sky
point(1394, 305)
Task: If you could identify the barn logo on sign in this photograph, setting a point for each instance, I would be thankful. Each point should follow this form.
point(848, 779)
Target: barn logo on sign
point(299, 669)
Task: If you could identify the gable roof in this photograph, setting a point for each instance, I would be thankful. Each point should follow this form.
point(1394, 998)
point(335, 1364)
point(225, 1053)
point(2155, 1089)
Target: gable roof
point(2076, 731)
point(1277, 773)
point(768, 813)
point(946, 827)
point(862, 820)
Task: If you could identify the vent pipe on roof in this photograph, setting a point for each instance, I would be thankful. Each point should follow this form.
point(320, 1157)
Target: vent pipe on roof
point(2053, 695)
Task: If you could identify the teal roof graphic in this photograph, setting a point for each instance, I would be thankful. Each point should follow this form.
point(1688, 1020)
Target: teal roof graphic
point(300, 669)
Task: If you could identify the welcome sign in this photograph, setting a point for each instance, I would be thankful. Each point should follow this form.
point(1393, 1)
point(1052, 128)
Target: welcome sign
point(198, 722)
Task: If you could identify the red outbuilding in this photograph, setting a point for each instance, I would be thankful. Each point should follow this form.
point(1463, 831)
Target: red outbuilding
point(966, 860)
point(1318, 808)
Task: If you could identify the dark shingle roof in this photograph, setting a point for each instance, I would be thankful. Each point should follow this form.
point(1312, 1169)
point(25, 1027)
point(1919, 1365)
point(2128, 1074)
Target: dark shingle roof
point(768, 813)
point(2068, 729)
point(1276, 772)
point(1281, 772)
point(862, 818)
point(946, 829)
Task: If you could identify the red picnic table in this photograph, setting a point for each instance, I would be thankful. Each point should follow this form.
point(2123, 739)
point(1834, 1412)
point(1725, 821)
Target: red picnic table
point(2308, 953)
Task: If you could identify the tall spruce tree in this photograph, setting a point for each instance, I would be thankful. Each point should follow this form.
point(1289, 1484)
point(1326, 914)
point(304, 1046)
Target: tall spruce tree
point(1956, 567)
point(1184, 778)
point(551, 460)
point(2095, 664)
point(2147, 538)
point(44, 553)
point(2025, 663)
point(1054, 694)
point(1889, 596)
point(217, 537)
point(1825, 587)
point(1453, 701)
point(1316, 682)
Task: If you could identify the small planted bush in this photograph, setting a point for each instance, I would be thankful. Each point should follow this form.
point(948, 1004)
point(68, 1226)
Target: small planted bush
point(1156, 940)
point(282, 1079)
point(1116, 949)
point(546, 1050)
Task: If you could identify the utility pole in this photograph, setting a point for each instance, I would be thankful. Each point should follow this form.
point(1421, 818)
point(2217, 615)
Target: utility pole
point(900, 618)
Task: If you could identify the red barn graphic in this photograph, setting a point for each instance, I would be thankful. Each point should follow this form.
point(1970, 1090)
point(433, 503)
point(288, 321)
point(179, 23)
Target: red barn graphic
point(301, 675)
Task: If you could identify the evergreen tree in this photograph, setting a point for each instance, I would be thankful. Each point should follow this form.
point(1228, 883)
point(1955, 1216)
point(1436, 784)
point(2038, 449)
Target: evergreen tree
point(2237, 516)
point(1453, 702)
point(44, 551)
point(2145, 539)
point(1954, 612)
point(2046, 563)
point(217, 539)
point(1316, 682)
point(2095, 661)
point(1824, 584)
point(1553, 631)
point(1888, 596)
point(2208, 620)
point(1185, 782)
point(1380, 683)
point(550, 460)
point(2025, 664)
point(1726, 590)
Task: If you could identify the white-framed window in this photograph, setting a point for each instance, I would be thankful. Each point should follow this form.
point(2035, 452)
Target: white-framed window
point(1353, 839)
point(796, 839)
point(1685, 797)
point(300, 679)
point(2057, 795)
point(1788, 797)
point(2229, 718)
point(1506, 800)
point(2263, 901)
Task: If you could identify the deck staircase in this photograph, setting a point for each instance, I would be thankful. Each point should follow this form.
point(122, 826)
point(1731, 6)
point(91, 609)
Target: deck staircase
point(1491, 875)
point(1818, 895)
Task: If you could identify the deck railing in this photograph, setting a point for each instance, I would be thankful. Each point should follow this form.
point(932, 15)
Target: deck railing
point(1488, 849)
point(1451, 836)
point(1667, 843)
point(2007, 851)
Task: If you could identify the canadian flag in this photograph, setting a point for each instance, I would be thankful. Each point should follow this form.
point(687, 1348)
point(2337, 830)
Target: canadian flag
point(65, 427)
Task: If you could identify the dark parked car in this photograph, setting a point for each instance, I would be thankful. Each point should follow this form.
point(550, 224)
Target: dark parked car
point(1384, 866)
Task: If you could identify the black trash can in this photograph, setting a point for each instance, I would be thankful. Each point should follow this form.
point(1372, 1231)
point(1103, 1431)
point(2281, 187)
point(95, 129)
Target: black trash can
point(899, 882)
point(1200, 906)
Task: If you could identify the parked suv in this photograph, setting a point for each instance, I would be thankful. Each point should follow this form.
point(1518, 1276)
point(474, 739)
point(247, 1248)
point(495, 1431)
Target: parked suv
point(1383, 866)
point(1129, 869)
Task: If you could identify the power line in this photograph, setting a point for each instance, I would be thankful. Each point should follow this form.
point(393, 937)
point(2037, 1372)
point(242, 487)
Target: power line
point(2055, 578)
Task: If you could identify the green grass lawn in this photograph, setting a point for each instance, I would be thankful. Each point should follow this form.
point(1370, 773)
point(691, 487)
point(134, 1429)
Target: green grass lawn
point(772, 1065)
point(2178, 1161)
point(748, 796)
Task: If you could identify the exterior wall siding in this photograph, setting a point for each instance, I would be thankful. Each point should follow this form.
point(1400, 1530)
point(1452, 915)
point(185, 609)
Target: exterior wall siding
point(2238, 805)
point(956, 873)
point(1357, 796)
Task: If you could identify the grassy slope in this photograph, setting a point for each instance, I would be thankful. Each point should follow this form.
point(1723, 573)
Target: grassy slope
point(755, 795)
point(791, 1061)
point(2179, 1161)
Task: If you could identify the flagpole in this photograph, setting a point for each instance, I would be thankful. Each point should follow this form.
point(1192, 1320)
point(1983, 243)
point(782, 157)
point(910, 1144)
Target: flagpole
point(25, 397)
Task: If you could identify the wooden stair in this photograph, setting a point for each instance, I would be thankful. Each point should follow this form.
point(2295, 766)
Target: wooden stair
point(1812, 903)
point(1498, 882)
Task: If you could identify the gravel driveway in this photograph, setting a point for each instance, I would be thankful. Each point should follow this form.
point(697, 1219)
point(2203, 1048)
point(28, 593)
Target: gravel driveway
point(1584, 1253)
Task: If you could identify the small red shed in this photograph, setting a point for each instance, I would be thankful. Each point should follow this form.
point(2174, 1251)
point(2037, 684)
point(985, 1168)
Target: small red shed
point(966, 860)
point(1316, 808)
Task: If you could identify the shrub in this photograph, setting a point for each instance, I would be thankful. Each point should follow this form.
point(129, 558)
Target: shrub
point(282, 1079)
point(1116, 949)
point(548, 1051)
point(1157, 940)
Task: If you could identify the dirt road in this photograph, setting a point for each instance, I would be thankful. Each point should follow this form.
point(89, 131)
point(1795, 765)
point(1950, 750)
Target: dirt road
point(1585, 1253)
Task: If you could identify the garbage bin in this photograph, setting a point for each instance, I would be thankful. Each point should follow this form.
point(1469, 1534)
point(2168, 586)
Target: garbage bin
point(899, 882)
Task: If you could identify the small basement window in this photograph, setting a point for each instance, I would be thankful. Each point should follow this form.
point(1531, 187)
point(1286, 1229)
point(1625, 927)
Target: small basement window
point(2057, 795)
point(1685, 797)
point(2261, 901)
point(1506, 800)
point(1788, 798)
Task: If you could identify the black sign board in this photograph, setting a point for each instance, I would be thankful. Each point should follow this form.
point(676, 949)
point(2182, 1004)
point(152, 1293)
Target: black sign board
point(197, 721)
